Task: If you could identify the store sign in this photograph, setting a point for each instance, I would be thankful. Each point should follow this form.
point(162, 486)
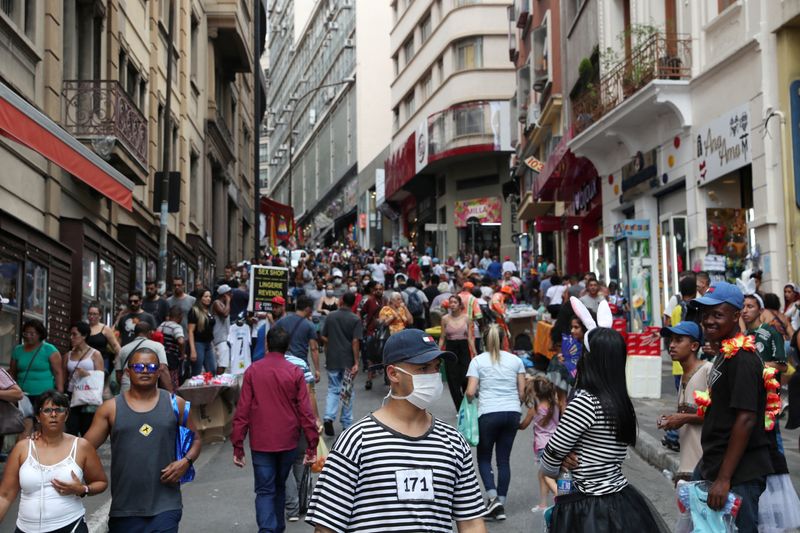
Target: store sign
point(638, 229)
point(421, 146)
point(723, 145)
point(534, 164)
point(486, 210)
point(583, 198)
point(714, 263)
point(267, 282)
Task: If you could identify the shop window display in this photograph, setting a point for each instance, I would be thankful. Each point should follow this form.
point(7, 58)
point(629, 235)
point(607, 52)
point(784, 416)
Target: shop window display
point(9, 316)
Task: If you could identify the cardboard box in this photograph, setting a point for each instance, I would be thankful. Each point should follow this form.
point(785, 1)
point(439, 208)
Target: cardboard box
point(214, 419)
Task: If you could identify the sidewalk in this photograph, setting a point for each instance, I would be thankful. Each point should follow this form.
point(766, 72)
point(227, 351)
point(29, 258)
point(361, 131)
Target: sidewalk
point(648, 444)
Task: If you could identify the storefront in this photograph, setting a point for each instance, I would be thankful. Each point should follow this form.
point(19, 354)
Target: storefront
point(100, 269)
point(478, 223)
point(35, 277)
point(145, 255)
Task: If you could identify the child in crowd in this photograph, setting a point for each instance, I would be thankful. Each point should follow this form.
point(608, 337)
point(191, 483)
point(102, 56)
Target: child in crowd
point(543, 411)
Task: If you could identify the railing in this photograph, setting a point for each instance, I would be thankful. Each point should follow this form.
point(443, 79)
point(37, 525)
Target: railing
point(99, 108)
point(468, 124)
point(224, 132)
point(658, 57)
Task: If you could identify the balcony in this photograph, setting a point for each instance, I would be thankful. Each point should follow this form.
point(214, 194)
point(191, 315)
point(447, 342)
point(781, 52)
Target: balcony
point(229, 24)
point(613, 119)
point(221, 135)
point(100, 113)
point(468, 128)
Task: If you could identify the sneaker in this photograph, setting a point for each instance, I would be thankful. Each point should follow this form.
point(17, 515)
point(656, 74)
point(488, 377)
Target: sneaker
point(368, 385)
point(538, 509)
point(293, 519)
point(329, 428)
point(496, 509)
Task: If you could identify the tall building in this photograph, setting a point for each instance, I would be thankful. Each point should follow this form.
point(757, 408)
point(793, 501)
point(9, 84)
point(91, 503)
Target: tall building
point(327, 118)
point(83, 90)
point(450, 150)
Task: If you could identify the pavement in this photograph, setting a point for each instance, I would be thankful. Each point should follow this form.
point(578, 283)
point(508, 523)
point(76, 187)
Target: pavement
point(221, 498)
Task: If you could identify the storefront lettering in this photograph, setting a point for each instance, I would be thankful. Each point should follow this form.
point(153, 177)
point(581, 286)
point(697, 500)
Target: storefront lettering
point(723, 145)
point(725, 153)
point(583, 198)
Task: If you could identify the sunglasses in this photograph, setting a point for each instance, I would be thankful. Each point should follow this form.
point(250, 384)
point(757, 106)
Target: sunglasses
point(50, 410)
point(144, 368)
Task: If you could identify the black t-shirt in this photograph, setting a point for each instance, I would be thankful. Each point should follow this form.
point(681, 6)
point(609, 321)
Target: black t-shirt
point(341, 328)
point(207, 335)
point(158, 308)
point(127, 323)
point(735, 384)
point(431, 292)
point(239, 300)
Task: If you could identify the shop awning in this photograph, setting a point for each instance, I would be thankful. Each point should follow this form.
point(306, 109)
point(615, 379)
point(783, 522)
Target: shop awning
point(23, 123)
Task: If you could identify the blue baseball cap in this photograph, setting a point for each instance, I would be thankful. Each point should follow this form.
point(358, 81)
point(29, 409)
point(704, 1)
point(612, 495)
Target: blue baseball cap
point(720, 292)
point(412, 346)
point(686, 328)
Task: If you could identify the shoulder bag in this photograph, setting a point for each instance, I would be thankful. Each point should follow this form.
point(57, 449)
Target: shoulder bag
point(25, 404)
point(184, 438)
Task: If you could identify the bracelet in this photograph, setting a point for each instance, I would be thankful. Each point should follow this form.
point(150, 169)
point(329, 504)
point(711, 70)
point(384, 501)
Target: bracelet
point(190, 461)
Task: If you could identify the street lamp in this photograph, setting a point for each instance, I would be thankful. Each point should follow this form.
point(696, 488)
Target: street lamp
point(346, 81)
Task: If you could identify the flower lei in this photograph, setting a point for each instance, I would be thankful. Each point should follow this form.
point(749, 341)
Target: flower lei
point(731, 347)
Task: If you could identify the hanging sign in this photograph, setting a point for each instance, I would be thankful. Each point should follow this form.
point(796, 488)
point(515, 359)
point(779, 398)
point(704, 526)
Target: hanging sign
point(266, 282)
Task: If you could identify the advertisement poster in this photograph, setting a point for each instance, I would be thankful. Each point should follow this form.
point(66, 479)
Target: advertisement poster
point(266, 282)
point(487, 210)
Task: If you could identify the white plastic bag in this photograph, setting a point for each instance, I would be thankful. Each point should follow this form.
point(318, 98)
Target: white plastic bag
point(88, 389)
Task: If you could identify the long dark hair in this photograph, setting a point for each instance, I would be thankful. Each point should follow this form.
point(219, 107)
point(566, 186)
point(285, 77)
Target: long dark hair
point(601, 372)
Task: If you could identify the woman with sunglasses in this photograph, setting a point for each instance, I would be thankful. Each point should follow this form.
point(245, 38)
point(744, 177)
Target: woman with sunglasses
point(52, 474)
point(78, 362)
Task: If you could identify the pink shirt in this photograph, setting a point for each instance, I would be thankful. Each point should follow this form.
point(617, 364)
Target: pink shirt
point(542, 434)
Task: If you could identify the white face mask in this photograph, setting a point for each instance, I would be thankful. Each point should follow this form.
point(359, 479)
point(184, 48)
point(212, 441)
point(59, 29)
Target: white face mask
point(427, 389)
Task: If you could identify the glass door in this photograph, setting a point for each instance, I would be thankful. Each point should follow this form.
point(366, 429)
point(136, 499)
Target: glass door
point(674, 254)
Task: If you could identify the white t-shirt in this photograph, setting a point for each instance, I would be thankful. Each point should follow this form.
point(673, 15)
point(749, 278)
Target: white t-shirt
point(239, 339)
point(509, 266)
point(378, 271)
point(555, 295)
point(425, 260)
point(497, 382)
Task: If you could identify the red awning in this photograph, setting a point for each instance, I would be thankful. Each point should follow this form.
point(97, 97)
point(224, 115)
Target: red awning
point(23, 123)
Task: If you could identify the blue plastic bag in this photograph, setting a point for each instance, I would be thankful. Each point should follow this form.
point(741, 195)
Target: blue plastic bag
point(468, 421)
point(185, 438)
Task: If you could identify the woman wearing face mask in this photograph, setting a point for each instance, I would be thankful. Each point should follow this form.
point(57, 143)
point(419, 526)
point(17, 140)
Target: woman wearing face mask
point(408, 449)
point(457, 337)
point(352, 286)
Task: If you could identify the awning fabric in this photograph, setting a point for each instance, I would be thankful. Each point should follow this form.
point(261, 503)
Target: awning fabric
point(23, 123)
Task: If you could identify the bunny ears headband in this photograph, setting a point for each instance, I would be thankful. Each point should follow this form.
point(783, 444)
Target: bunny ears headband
point(748, 288)
point(604, 317)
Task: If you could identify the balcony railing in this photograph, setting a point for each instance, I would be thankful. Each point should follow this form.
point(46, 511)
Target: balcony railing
point(466, 125)
point(657, 58)
point(102, 108)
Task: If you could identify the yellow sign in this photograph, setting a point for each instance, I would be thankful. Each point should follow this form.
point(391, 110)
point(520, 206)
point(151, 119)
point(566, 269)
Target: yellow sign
point(146, 429)
point(534, 164)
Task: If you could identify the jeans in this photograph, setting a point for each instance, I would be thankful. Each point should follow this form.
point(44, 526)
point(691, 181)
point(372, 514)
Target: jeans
point(293, 480)
point(166, 522)
point(750, 492)
point(335, 378)
point(271, 470)
point(205, 358)
point(496, 431)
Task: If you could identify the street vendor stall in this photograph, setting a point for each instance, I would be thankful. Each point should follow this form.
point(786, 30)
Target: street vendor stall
point(521, 320)
point(213, 401)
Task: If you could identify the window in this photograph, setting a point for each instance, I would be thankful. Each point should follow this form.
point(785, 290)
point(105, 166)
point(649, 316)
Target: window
point(396, 64)
point(194, 48)
point(165, 4)
point(98, 284)
point(469, 53)
point(394, 11)
point(426, 86)
point(25, 286)
point(195, 188)
point(468, 119)
point(409, 105)
point(396, 118)
point(408, 50)
point(262, 154)
point(440, 68)
point(425, 27)
point(460, 3)
point(722, 5)
point(22, 13)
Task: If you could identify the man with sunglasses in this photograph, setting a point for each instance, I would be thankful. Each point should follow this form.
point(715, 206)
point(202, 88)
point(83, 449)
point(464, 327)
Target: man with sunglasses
point(143, 331)
point(127, 322)
point(145, 477)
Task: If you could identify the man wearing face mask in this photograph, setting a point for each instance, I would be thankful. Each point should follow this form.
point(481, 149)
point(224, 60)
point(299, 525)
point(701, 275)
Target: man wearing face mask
point(423, 466)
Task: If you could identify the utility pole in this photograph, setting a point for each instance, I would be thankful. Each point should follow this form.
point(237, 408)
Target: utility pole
point(257, 130)
point(162, 237)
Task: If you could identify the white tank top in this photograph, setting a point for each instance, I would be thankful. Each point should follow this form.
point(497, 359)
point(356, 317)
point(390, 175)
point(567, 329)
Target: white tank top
point(86, 364)
point(41, 507)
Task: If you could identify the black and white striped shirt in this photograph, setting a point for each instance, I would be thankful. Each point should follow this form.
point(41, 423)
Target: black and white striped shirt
point(376, 480)
point(586, 430)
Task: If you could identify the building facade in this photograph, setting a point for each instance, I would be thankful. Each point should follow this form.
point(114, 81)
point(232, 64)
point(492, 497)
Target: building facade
point(450, 149)
point(82, 109)
point(328, 116)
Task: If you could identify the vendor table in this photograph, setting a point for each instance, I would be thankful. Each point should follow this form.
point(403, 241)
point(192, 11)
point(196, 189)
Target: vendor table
point(212, 409)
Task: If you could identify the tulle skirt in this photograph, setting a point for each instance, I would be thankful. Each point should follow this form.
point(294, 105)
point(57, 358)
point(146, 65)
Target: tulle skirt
point(624, 511)
point(778, 506)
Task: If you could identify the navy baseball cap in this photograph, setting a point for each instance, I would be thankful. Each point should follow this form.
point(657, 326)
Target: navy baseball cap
point(412, 346)
point(686, 328)
point(720, 292)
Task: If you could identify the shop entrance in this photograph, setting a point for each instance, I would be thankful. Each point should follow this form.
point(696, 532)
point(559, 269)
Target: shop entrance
point(477, 237)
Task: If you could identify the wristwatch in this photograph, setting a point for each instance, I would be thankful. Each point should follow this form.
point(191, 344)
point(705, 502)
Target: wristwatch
point(85, 491)
point(190, 461)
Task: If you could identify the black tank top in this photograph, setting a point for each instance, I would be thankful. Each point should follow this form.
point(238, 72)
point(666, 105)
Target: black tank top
point(330, 307)
point(99, 342)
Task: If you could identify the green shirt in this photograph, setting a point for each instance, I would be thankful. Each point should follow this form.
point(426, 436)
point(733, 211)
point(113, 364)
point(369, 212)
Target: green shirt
point(40, 377)
point(769, 344)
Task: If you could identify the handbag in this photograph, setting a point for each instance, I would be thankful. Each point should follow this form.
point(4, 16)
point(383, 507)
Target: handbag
point(184, 439)
point(12, 420)
point(468, 422)
point(88, 390)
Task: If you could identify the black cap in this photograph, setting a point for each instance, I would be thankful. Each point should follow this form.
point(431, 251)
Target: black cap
point(412, 346)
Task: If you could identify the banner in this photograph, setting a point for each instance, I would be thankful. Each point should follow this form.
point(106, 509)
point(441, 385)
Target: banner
point(487, 210)
point(266, 282)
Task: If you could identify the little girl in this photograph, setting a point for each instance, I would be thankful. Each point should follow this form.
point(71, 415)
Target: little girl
point(543, 411)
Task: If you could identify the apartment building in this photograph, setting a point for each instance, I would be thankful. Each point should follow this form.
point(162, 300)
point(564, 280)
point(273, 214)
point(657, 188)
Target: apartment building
point(327, 118)
point(82, 112)
point(450, 150)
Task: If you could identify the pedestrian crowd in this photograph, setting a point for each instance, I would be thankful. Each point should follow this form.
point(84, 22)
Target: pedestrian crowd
point(409, 321)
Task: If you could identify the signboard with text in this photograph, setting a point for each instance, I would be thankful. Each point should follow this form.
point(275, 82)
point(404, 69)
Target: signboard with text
point(487, 210)
point(266, 282)
point(723, 145)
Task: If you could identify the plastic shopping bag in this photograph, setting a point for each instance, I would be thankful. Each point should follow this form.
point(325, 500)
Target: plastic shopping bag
point(697, 517)
point(468, 421)
point(322, 454)
point(88, 390)
point(185, 437)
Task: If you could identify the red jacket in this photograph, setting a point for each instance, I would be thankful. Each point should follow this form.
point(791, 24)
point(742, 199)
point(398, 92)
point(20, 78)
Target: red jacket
point(414, 271)
point(273, 406)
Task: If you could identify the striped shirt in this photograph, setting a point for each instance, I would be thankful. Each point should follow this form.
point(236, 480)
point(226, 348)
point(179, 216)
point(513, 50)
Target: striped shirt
point(376, 480)
point(586, 430)
point(307, 375)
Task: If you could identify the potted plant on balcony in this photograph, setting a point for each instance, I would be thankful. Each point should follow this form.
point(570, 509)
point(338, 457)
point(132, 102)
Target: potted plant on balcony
point(637, 67)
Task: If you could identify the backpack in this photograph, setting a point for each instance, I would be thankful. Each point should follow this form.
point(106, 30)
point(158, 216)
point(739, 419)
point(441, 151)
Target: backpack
point(687, 313)
point(415, 306)
point(374, 345)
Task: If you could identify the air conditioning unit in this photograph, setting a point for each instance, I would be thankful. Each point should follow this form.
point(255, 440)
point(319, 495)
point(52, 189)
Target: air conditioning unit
point(332, 26)
point(540, 83)
point(312, 116)
point(287, 108)
point(330, 14)
point(292, 49)
point(280, 122)
point(329, 94)
point(349, 43)
point(283, 147)
point(534, 112)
